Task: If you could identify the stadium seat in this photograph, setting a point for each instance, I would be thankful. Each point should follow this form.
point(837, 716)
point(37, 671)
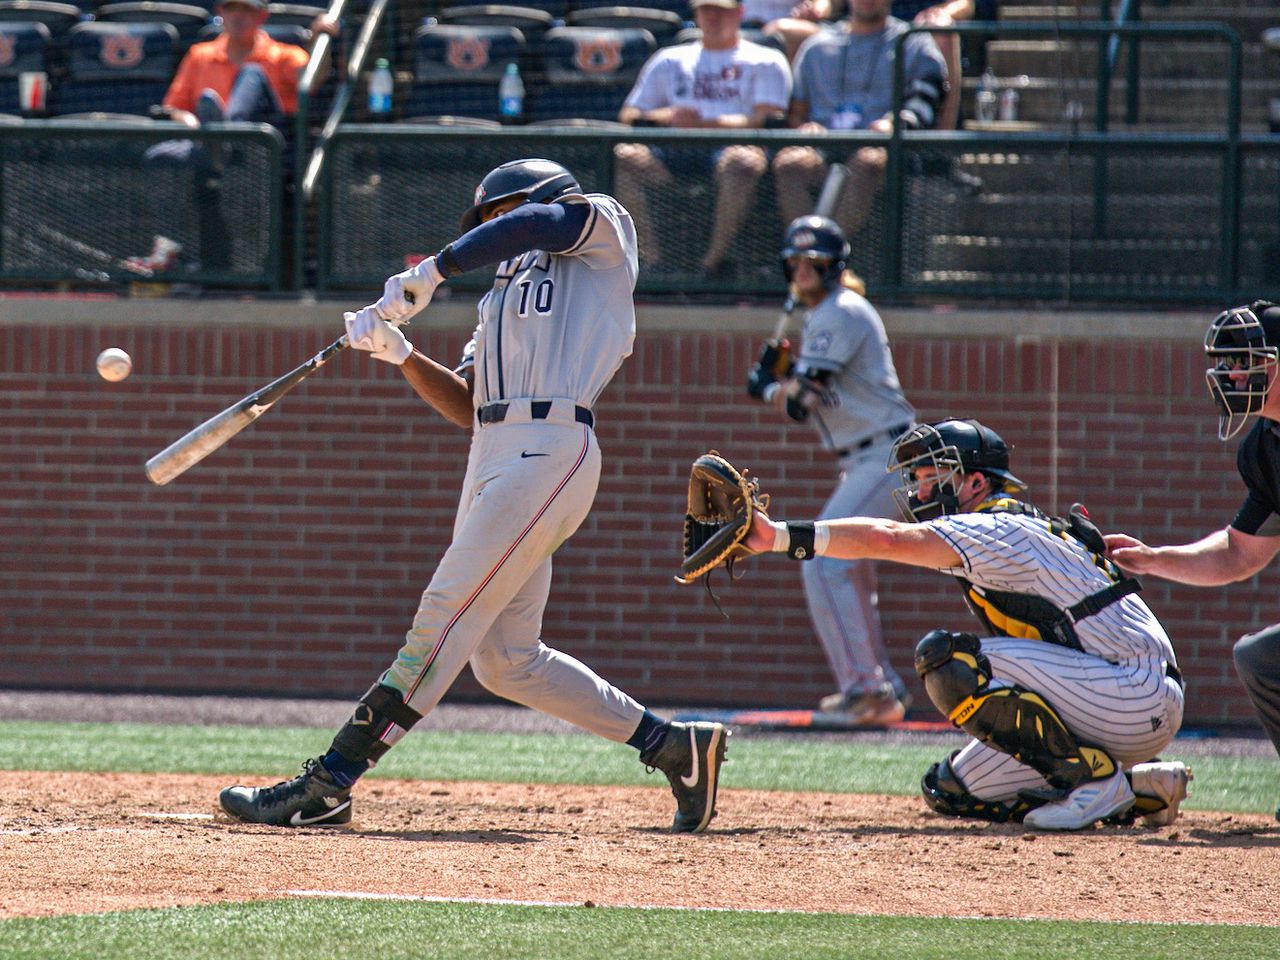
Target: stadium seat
point(188, 20)
point(663, 24)
point(23, 47)
point(283, 32)
point(589, 72)
point(530, 21)
point(679, 7)
point(457, 69)
point(58, 17)
point(117, 67)
point(295, 14)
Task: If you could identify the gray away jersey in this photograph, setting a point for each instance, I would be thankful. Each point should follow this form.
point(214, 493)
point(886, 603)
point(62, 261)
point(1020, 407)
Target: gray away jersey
point(845, 335)
point(558, 325)
point(1019, 553)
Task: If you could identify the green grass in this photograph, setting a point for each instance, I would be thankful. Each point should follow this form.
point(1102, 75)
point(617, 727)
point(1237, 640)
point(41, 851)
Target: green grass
point(1246, 785)
point(350, 929)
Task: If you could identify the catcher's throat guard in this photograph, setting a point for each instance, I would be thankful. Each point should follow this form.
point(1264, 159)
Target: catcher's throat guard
point(722, 502)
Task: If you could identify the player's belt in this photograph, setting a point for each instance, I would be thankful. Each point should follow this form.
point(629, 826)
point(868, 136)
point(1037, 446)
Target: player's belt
point(1174, 674)
point(538, 410)
point(893, 433)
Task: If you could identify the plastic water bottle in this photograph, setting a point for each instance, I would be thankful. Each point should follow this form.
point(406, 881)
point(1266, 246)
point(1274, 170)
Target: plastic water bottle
point(380, 85)
point(987, 102)
point(511, 94)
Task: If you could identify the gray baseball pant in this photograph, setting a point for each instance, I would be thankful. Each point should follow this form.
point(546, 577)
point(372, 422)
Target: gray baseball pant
point(1257, 657)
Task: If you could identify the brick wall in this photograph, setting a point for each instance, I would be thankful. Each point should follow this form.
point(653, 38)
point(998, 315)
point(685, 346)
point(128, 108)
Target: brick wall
point(291, 561)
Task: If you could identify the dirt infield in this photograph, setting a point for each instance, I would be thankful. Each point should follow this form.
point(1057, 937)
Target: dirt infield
point(74, 843)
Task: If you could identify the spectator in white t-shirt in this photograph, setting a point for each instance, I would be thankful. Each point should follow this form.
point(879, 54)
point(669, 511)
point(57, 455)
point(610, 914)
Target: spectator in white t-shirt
point(721, 82)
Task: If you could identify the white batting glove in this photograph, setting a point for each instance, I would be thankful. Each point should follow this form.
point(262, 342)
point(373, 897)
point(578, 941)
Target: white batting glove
point(406, 293)
point(367, 331)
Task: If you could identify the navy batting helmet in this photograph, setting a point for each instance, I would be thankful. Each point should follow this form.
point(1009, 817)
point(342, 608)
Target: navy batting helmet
point(953, 448)
point(534, 180)
point(816, 238)
point(1243, 344)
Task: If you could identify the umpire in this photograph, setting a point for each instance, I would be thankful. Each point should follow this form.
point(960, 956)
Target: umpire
point(1243, 344)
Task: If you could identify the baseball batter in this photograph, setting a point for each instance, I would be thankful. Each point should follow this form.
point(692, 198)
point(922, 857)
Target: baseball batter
point(1073, 688)
point(552, 332)
point(843, 382)
point(1243, 344)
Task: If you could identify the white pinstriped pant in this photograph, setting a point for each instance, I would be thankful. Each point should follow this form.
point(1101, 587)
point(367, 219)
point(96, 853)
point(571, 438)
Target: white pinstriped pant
point(528, 487)
point(1130, 709)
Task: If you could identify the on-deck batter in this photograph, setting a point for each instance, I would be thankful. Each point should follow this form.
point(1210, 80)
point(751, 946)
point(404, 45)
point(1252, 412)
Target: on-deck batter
point(552, 332)
point(843, 382)
point(1073, 688)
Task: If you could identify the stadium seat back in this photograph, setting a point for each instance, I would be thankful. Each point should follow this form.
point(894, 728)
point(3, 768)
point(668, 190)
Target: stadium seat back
point(663, 24)
point(457, 69)
point(589, 71)
point(117, 67)
point(24, 47)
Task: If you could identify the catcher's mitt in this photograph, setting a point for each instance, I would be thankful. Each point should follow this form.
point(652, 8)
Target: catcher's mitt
point(722, 502)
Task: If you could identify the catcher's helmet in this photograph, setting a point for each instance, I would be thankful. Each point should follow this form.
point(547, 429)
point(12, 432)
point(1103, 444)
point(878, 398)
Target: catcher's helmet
point(816, 238)
point(1243, 343)
point(537, 181)
point(953, 448)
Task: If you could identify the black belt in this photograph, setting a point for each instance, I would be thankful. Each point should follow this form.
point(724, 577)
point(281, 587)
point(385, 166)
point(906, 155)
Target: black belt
point(893, 433)
point(1174, 674)
point(538, 410)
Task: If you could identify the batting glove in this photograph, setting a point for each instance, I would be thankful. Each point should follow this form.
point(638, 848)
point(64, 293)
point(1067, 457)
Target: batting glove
point(367, 331)
point(406, 293)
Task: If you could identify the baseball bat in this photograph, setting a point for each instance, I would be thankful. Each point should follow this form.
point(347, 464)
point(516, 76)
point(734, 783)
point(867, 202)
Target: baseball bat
point(832, 189)
point(188, 450)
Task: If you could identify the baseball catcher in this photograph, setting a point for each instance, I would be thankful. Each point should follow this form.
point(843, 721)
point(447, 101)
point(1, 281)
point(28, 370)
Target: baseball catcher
point(722, 503)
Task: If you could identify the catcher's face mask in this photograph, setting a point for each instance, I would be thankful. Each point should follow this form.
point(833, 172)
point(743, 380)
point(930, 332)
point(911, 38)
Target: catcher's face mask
point(932, 474)
point(1243, 366)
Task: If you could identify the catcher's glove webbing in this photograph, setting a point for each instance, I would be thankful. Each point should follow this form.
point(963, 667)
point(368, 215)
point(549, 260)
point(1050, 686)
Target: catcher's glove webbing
point(722, 502)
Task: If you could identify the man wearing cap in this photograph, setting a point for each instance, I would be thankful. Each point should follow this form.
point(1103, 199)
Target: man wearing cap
point(719, 82)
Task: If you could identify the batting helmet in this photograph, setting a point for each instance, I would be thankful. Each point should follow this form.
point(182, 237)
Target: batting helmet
point(1243, 343)
point(536, 181)
point(816, 238)
point(953, 448)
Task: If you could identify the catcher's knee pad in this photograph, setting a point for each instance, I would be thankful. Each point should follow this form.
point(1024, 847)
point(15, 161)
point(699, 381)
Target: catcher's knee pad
point(952, 667)
point(380, 719)
point(944, 794)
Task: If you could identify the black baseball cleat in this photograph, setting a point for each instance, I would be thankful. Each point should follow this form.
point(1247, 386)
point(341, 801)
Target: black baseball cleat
point(310, 799)
point(690, 754)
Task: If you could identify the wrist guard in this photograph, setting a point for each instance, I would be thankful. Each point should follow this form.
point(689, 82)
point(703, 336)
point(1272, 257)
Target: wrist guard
point(802, 537)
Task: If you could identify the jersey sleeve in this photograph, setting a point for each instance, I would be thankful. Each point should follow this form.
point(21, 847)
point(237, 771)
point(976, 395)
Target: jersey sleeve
point(603, 243)
point(1257, 517)
point(988, 546)
point(835, 333)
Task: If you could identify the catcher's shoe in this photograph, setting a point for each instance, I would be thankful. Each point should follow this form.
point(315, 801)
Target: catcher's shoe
point(877, 708)
point(1163, 781)
point(1085, 805)
point(690, 754)
point(310, 799)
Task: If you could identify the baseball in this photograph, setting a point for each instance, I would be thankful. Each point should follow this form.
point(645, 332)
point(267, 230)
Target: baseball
point(114, 364)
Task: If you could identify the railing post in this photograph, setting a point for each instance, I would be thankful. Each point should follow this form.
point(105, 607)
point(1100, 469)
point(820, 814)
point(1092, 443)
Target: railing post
point(299, 219)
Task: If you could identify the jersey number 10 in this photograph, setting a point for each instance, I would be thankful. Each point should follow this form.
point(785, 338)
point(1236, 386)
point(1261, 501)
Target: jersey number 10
point(541, 297)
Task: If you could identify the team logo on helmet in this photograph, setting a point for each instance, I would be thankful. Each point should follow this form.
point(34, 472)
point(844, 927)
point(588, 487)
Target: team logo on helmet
point(467, 53)
point(121, 50)
point(597, 55)
point(803, 239)
point(479, 195)
point(6, 50)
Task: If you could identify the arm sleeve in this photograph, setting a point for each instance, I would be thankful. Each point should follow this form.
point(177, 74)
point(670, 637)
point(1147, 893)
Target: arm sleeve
point(925, 84)
point(553, 227)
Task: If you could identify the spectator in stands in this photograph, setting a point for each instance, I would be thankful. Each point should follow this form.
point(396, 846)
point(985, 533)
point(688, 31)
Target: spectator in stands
point(929, 13)
point(791, 21)
point(242, 74)
point(719, 82)
point(844, 81)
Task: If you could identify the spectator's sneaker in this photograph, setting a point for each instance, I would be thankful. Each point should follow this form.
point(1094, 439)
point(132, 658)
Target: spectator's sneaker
point(875, 708)
point(162, 258)
point(1159, 781)
point(310, 799)
point(690, 754)
point(1085, 805)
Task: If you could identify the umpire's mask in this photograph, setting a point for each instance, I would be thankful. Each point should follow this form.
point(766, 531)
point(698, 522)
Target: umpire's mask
point(1238, 381)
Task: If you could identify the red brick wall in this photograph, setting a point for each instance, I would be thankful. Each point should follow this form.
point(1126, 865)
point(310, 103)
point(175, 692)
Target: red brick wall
point(291, 561)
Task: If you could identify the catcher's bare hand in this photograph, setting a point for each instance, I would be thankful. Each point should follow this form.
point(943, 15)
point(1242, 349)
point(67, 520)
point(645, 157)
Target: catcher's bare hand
point(1129, 553)
point(762, 534)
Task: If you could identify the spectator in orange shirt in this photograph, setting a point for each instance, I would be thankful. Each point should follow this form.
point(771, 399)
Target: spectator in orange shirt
point(241, 75)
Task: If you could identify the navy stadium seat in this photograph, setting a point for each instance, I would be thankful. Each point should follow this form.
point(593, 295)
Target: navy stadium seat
point(457, 69)
point(530, 21)
point(589, 72)
point(117, 67)
point(23, 47)
point(283, 32)
point(188, 20)
point(296, 14)
point(680, 7)
point(663, 24)
point(58, 17)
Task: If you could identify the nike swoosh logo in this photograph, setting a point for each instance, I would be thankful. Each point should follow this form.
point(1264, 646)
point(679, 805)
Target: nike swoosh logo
point(298, 820)
point(525, 455)
point(691, 781)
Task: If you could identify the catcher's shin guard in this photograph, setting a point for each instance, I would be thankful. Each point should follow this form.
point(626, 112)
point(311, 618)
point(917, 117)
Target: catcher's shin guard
point(944, 794)
point(380, 719)
point(1009, 718)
